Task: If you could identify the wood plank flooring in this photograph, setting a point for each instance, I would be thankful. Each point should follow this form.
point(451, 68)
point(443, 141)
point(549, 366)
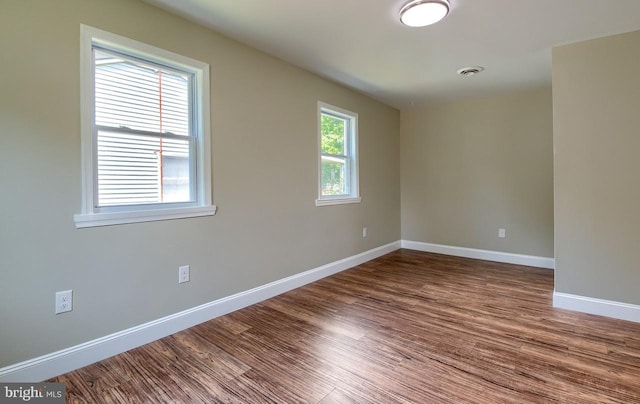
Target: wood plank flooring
point(407, 327)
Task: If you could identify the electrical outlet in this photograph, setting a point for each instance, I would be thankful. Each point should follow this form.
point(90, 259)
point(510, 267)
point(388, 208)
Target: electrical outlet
point(183, 274)
point(502, 233)
point(364, 232)
point(64, 301)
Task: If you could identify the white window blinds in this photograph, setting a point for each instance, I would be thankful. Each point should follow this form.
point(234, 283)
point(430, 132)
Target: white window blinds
point(143, 128)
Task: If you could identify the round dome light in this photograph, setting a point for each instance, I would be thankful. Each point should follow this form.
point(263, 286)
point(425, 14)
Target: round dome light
point(420, 13)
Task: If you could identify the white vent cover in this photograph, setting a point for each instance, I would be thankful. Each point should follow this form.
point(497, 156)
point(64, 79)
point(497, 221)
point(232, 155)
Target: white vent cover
point(470, 71)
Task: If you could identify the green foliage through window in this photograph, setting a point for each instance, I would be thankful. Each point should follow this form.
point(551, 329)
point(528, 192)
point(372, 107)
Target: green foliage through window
point(334, 143)
point(333, 135)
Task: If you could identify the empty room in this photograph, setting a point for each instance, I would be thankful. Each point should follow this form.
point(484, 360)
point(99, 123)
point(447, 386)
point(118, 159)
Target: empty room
point(289, 201)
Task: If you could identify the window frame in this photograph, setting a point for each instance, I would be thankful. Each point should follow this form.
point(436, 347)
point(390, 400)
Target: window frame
point(351, 147)
point(91, 214)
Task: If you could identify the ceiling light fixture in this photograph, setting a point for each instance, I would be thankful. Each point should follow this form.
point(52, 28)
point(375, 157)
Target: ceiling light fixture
point(420, 13)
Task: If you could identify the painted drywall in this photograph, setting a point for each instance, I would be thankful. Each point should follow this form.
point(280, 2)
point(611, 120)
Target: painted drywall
point(596, 95)
point(470, 167)
point(263, 116)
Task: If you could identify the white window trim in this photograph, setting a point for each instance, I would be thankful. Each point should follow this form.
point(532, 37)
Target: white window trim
point(90, 217)
point(328, 200)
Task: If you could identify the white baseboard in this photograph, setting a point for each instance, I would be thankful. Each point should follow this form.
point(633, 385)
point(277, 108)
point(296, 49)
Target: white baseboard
point(519, 259)
point(66, 360)
point(591, 305)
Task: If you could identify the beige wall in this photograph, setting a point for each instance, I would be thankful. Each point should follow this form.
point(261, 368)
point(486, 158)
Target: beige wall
point(263, 114)
point(596, 100)
point(470, 167)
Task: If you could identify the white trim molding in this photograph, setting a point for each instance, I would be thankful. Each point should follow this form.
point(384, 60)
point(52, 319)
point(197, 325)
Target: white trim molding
point(349, 155)
point(108, 219)
point(337, 201)
point(92, 214)
point(66, 360)
point(601, 307)
point(498, 256)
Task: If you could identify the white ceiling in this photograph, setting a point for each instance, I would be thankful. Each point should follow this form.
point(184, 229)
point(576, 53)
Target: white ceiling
point(362, 44)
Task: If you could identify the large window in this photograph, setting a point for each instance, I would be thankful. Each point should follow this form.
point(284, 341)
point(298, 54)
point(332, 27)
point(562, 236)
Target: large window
point(338, 162)
point(145, 133)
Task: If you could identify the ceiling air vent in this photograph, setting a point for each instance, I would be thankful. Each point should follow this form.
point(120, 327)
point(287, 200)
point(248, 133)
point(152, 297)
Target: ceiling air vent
point(470, 71)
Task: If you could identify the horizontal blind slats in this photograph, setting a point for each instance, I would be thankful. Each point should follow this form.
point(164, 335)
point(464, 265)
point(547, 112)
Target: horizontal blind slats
point(136, 168)
point(129, 167)
point(141, 98)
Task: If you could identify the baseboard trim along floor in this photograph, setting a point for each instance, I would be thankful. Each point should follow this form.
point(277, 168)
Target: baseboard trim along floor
point(497, 256)
point(601, 307)
point(66, 360)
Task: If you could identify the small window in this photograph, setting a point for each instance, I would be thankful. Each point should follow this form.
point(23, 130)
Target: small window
point(145, 133)
point(338, 161)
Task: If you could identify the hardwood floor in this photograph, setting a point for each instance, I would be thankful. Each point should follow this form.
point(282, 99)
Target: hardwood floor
point(407, 327)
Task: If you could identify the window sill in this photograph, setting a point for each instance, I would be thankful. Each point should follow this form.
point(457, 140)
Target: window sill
point(337, 201)
point(109, 219)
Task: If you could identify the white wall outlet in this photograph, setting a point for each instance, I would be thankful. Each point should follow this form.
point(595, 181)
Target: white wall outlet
point(364, 232)
point(64, 301)
point(183, 274)
point(502, 233)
